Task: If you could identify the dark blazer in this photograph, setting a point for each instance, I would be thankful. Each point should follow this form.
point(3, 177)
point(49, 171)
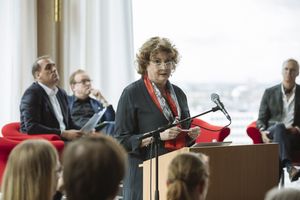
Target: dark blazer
point(138, 114)
point(271, 107)
point(37, 114)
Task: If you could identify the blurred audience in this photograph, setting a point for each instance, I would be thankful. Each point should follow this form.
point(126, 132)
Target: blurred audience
point(86, 101)
point(93, 168)
point(32, 172)
point(188, 175)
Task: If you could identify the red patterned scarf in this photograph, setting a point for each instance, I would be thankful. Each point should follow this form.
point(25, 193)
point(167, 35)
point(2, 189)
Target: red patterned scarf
point(169, 107)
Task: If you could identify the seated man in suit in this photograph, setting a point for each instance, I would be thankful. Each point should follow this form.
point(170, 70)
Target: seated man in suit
point(87, 101)
point(44, 106)
point(279, 116)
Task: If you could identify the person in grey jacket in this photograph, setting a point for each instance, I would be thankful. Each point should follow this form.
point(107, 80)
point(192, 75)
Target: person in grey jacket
point(279, 116)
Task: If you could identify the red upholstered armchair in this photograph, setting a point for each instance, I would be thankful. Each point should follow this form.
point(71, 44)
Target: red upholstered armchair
point(254, 133)
point(6, 146)
point(12, 131)
point(208, 135)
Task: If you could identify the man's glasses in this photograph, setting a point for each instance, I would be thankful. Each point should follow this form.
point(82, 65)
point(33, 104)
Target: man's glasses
point(159, 64)
point(84, 81)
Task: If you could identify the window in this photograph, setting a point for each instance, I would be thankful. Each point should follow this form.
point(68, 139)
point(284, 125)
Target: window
point(233, 48)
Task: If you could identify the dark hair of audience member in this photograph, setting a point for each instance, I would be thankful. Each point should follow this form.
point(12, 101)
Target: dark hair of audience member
point(93, 168)
point(36, 67)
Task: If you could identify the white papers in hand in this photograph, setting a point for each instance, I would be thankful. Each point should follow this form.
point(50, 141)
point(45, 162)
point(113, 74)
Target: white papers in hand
point(91, 124)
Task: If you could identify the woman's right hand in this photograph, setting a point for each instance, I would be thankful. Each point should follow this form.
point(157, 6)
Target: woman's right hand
point(170, 133)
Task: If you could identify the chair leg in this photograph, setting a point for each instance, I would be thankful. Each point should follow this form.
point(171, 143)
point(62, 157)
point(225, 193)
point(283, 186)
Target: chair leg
point(282, 178)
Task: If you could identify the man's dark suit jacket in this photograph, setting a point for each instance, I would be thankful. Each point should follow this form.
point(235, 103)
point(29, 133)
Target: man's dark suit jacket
point(271, 107)
point(37, 113)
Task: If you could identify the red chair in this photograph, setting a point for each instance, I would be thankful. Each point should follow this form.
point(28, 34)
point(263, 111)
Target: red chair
point(6, 146)
point(12, 131)
point(255, 135)
point(208, 135)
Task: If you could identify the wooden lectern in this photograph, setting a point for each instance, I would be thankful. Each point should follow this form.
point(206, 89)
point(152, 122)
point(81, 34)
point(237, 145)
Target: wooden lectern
point(236, 172)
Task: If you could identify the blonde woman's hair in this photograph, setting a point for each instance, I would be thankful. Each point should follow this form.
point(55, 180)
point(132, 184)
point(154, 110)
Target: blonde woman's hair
point(30, 171)
point(185, 172)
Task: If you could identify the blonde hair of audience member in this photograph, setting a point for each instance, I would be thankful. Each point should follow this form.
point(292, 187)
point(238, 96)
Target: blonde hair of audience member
point(93, 168)
point(283, 194)
point(31, 171)
point(188, 177)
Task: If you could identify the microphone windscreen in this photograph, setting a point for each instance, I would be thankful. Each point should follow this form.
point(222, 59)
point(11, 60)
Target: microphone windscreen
point(214, 96)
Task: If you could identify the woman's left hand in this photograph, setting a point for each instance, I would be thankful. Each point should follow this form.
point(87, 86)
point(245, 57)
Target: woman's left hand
point(194, 132)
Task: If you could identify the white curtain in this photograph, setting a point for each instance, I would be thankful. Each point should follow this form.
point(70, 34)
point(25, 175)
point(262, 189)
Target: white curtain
point(17, 52)
point(98, 38)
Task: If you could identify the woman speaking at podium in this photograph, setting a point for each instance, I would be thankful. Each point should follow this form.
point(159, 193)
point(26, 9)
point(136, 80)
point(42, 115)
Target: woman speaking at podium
point(148, 104)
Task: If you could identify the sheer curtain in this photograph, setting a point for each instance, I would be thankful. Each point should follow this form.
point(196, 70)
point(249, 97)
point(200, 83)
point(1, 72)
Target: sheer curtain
point(17, 51)
point(98, 38)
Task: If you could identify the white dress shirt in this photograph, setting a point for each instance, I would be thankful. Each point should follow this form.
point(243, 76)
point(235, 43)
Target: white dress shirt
point(56, 107)
point(288, 107)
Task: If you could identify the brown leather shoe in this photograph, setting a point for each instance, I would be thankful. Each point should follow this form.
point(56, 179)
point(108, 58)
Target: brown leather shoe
point(294, 174)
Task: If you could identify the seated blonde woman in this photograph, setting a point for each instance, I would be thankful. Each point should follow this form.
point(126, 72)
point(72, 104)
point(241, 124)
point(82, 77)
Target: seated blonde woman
point(32, 171)
point(188, 175)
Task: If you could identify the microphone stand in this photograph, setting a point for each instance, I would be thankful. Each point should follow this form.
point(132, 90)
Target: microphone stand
point(155, 135)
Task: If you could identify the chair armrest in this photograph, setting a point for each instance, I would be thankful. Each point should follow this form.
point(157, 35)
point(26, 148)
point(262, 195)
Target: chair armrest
point(254, 133)
point(21, 137)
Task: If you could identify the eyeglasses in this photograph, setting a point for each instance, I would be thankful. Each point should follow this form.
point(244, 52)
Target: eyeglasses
point(158, 63)
point(84, 81)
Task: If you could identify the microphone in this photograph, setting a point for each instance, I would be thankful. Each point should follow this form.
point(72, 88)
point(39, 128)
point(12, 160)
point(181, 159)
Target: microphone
point(216, 99)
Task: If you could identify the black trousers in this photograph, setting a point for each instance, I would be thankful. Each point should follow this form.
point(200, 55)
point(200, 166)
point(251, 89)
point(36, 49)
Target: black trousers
point(287, 142)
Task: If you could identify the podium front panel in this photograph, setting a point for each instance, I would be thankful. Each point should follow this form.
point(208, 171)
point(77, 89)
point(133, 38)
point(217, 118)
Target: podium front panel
point(236, 172)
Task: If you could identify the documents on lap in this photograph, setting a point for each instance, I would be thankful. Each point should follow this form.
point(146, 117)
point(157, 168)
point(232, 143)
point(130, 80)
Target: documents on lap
point(92, 123)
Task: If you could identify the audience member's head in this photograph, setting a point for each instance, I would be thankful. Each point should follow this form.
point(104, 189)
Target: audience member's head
point(44, 70)
point(31, 172)
point(283, 194)
point(80, 83)
point(93, 168)
point(188, 175)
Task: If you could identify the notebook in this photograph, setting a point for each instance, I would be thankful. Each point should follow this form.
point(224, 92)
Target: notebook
point(92, 123)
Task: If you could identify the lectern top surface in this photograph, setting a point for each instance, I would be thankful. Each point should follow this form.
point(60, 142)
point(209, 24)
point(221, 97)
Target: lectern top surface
point(204, 144)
